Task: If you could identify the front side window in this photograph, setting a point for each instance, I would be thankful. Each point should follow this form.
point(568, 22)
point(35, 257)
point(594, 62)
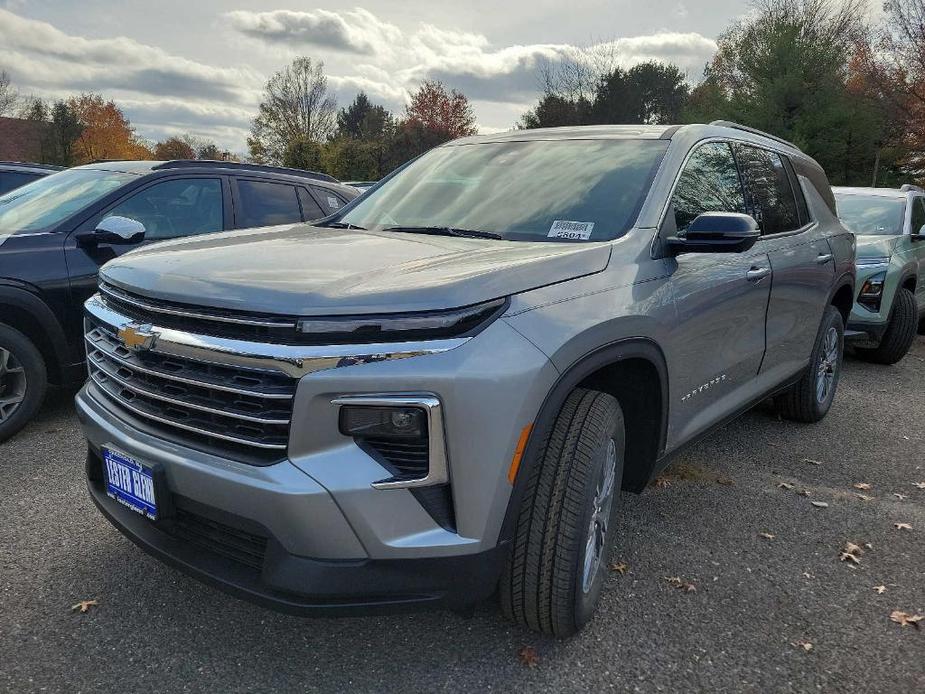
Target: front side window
point(550, 190)
point(709, 183)
point(768, 195)
point(174, 208)
point(918, 214)
point(43, 204)
point(262, 204)
point(875, 215)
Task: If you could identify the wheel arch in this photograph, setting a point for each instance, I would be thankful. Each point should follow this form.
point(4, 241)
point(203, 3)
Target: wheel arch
point(842, 296)
point(27, 313)
point(630, 370)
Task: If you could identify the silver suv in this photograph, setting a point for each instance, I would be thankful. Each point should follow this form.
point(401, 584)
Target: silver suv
point(437, 393)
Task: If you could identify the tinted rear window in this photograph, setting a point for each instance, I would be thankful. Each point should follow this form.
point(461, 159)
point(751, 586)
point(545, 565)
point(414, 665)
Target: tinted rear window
point(263, 204)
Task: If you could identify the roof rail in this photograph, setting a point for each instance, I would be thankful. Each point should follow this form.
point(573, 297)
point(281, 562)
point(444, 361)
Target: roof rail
point(754, 131)
point(34, 165)
point(908, 188)
point(191, 163)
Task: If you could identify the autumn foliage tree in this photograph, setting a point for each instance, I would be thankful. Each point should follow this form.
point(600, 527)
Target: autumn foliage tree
point(174, 148)
point(106, 133)
point(444, 113)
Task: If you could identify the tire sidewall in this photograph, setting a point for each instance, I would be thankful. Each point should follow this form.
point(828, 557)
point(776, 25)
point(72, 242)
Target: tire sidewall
point(36, 379)
point(585, 603)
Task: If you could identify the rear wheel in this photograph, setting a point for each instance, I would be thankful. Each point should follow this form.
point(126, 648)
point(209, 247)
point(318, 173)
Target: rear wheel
point(23, 381)
point(900, 332)
point(553, 577)
point(810, 398)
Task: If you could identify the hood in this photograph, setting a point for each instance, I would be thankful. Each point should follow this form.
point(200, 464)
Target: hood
point(304, 270)
point(874, 246)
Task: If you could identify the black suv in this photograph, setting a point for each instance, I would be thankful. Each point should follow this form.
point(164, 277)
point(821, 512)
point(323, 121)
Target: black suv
point(14, 174)
point(57, 231)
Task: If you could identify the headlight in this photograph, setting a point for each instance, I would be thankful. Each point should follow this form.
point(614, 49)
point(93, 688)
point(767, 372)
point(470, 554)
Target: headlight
point(867, 262)
point(399, 327)
point(871, 293)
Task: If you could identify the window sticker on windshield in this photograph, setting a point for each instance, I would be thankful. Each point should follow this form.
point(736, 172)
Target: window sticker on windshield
point(333, 202)
point(564, 229)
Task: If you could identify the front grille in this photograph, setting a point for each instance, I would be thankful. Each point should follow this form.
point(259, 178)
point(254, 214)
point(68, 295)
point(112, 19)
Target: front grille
point(232, 543)
point(214, 322)
point(211, 406)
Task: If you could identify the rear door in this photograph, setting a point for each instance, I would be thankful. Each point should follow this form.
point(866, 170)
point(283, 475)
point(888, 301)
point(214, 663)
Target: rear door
point(721, 299)
point(801, 259)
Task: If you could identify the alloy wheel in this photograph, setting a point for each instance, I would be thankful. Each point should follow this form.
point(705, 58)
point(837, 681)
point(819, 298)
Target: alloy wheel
point(828, 365)
point(596, 541)
point(12, 384)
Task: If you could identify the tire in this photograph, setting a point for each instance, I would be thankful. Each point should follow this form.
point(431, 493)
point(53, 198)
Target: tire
point(922, 326)
point(807, 400)
point(546, 584)
point(23, 381)
point(900, 332)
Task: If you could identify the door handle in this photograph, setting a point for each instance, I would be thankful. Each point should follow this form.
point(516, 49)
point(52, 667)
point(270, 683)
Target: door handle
point(757, 273)
point(824, 258)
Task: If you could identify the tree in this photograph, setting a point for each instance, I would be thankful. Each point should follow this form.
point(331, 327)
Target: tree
point(446, 114)
point(9, 97)
point(210, 150)
point(64, 133)
point(352, 159)
point(785, 69)
point(363, 120)
point(174, 148)
point(303, 153)
point(296, 104)
point(105, 131)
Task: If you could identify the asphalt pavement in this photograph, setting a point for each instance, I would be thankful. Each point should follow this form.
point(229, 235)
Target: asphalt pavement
point(775, 607)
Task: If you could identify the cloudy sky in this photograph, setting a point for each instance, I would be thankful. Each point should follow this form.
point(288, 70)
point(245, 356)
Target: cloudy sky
point(198, 66)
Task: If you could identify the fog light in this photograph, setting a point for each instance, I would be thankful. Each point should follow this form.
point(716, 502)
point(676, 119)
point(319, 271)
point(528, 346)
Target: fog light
point(383, 422)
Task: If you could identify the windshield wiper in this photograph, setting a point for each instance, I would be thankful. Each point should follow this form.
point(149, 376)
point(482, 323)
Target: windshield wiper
point(447, 231)
point(344, 225)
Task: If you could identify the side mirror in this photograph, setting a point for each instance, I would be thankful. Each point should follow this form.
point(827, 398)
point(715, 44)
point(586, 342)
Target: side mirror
point(116, 230)
point(716, 232)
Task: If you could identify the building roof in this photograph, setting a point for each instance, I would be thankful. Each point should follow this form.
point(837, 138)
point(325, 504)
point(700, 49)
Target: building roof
point(21, 139)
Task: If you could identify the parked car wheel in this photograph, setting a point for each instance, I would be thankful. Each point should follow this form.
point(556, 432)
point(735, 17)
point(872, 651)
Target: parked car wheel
point(553, 578)
point(900, 333)
point(23, 381)
point(809, 399)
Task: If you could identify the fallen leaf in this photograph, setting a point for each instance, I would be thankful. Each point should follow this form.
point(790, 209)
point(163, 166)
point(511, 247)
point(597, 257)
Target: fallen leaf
point(852, 548)
point(819, 504)
point(920, 485)
point(84, 605)
point(868, 545)
point(785, 485)
point(805, 645)
point(807, 574)
point(662, 482)
point(864, 497)
point(812, 462)
point(905, 619)
point(880, 589)
point(620, 568)
point(528, 657)
point(849, 557)
point(902, 526)
point(766, 536)
point(676, 580)
point(803, 492)
point(725, 481)
point(899, 496)
point(862, 485)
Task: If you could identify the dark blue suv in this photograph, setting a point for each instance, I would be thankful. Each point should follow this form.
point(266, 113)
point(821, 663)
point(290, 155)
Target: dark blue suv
point(57, 231)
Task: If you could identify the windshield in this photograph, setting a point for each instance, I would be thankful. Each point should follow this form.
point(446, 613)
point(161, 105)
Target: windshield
point(534, 191)
point(872, 214)
point(40, 205)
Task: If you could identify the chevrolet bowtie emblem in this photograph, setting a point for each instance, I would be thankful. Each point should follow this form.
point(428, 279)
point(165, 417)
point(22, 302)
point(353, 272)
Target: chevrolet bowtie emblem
point(137, 337)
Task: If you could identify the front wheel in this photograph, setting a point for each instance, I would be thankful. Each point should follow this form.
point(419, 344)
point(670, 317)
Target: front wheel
point(23, 381)
point(900, 332)
point(810, 398)
point(553, 577)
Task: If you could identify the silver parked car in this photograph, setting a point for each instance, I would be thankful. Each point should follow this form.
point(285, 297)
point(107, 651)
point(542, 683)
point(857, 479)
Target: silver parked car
point(439, 393)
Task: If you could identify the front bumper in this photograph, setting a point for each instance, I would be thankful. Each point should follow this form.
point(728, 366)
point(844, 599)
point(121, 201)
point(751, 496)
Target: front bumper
point(248, 558)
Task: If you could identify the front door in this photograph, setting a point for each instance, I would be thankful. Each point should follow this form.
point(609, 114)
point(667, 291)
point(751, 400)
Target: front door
point(718, 340)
